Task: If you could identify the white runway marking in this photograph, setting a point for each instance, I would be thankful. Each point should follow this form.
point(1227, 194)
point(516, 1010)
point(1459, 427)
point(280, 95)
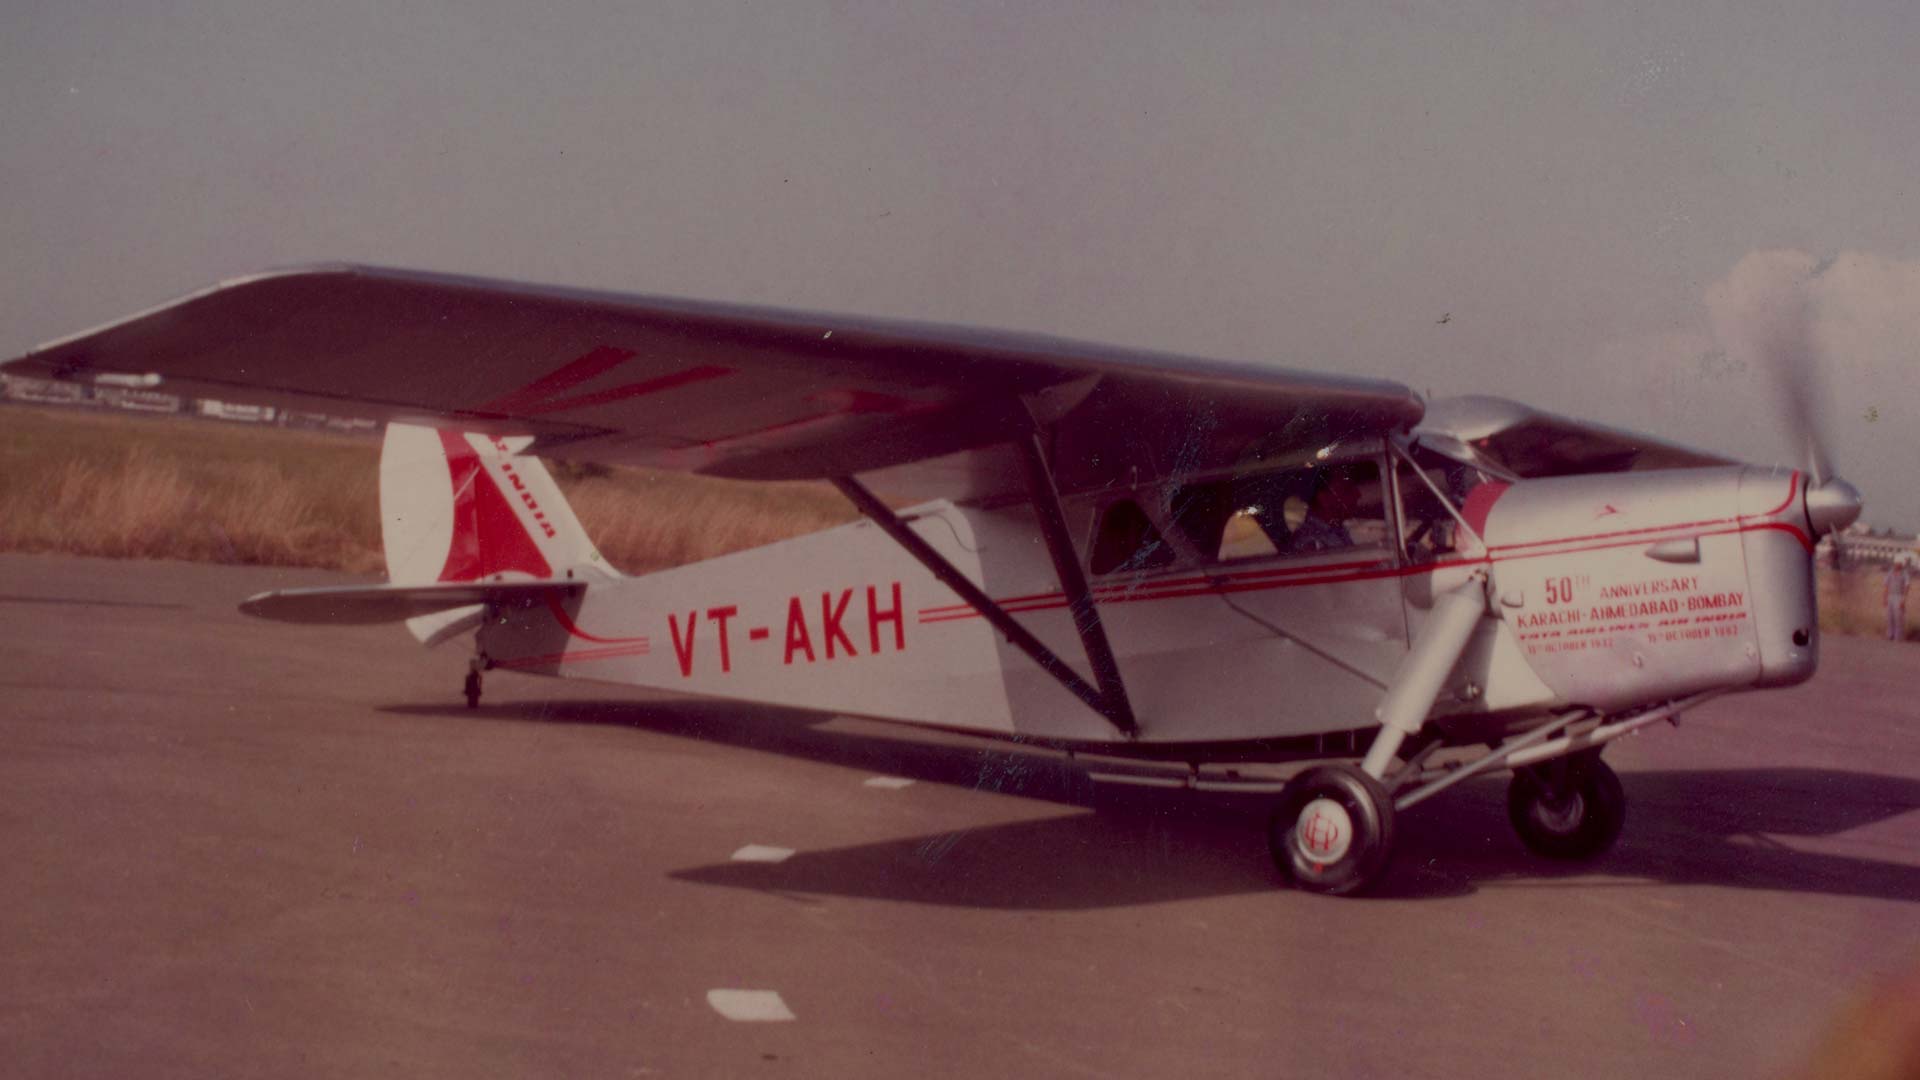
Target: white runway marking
point(891, 783)
point(762, 853)
point(750, 1006)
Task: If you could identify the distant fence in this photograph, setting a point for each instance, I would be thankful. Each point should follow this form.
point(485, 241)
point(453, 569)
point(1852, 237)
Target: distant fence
point(43, 392)
point(1862, 548)
point(127, 399)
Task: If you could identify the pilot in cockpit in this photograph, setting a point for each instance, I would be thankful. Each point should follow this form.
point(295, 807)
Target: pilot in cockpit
point(1335, 499)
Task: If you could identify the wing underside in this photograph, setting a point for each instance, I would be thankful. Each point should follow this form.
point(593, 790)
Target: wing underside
point(724, 390)
point(1529, 442)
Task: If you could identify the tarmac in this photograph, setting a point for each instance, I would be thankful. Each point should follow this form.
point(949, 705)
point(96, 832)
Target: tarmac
point(238, 848)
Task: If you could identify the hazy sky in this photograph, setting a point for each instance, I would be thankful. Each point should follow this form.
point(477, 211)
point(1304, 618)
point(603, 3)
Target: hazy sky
point(1598, 194)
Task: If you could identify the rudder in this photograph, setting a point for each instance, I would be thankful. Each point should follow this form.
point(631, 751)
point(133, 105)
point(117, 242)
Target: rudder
point(465, 507)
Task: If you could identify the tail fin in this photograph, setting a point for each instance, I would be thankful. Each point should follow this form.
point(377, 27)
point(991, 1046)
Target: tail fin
point(462, 507)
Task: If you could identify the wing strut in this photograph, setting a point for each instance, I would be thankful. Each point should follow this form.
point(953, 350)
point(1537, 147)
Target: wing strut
point(1109, 697)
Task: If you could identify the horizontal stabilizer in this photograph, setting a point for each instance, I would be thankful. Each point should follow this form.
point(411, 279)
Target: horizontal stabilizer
point(392, 603)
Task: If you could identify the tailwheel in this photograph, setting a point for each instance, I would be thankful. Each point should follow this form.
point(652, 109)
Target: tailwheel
point(1568, 809)
point(1333, 830)
point(472, 689)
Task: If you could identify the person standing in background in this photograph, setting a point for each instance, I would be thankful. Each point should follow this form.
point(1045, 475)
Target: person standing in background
point(1899, 576)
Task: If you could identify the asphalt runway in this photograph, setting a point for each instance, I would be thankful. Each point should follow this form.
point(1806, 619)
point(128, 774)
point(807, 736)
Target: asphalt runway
point(237, 848)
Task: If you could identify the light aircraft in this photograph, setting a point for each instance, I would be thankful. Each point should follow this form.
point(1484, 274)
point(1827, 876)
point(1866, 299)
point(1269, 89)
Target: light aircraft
point(1123, 554)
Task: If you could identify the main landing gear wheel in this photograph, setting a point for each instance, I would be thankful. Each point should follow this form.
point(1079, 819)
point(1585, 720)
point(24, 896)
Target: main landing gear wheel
point(1570, 809)
point(472, 690)
point(1333, 830)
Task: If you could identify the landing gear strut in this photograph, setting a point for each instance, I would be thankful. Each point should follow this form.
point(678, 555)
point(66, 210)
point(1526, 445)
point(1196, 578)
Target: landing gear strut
point(1569, 808)
point(472, 688)
point(1334, 826)
point(1333, 830)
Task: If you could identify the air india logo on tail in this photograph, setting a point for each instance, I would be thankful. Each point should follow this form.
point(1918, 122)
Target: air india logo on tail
point(488, 536)
point(519, 487)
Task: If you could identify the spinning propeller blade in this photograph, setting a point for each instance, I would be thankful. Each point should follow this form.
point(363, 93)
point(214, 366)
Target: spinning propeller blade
point(1832, 503)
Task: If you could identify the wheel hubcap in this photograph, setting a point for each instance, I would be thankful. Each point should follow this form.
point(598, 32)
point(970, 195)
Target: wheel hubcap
point(1324, 831)
point(1560, 815)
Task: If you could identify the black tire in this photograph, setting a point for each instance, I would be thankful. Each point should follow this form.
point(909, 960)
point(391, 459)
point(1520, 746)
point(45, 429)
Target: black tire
point(472, 689)
point(1333, 869)
point(1574, 815)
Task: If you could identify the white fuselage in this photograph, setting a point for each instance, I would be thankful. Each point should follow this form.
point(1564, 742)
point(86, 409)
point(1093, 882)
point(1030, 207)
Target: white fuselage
point(1256, 649)
point(845, 620)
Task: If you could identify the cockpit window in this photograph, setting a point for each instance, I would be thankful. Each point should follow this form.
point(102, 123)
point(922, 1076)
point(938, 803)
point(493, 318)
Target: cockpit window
point(1127, 540)
point(1304, 511)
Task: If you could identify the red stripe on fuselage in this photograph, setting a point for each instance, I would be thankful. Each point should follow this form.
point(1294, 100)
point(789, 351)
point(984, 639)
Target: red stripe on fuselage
point(1793, 486)
point(1257, 580)
point(1262, 581)
point(566, 623)
point(1123, 592)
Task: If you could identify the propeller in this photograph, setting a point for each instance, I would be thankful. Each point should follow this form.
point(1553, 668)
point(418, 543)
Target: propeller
point(1832, 503)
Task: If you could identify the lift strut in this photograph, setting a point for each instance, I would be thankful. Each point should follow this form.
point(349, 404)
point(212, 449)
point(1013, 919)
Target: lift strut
point(1107, 696)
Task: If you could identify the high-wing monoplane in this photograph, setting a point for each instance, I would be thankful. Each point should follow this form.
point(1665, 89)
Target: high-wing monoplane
point(1119, 553)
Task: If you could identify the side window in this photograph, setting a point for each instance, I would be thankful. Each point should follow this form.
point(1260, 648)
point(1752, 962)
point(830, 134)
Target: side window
point(1245, 537)
point(1430, 531)
point(1291, 512)
point(1127, 540)
point(1201, 513)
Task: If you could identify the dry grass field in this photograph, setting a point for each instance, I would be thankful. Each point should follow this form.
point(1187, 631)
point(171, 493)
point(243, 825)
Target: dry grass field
point(175, 488)
point(1851, 602)
point(643, 520)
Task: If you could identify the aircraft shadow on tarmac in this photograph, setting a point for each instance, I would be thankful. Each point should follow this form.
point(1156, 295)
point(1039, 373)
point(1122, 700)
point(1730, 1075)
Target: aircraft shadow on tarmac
point(1715, 827)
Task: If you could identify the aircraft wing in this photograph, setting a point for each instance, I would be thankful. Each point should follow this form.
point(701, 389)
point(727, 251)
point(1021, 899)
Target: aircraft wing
point(725, 390)
point(1530, 443)
point(392, 603)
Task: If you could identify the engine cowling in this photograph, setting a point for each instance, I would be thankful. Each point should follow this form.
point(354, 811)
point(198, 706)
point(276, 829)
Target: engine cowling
point(1626, 588)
